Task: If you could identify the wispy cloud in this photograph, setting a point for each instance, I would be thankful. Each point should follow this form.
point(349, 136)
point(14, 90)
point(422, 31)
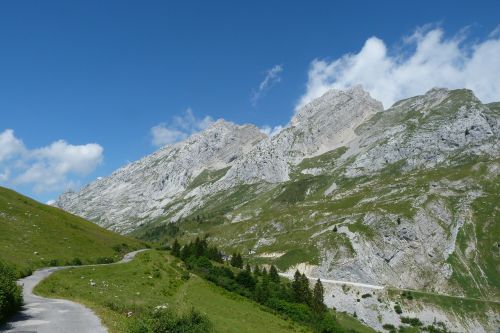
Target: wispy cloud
point(271, 131)
point(426, 59)
point(179, 128)
point(272, 77)
point(50, 168)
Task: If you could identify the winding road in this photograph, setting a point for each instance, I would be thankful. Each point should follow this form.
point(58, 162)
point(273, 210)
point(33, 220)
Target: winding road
point(48, 315)
point(355, 284)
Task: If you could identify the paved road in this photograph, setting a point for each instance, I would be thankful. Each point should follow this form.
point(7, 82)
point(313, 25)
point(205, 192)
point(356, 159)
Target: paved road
point(348, 283)
point(47, 315)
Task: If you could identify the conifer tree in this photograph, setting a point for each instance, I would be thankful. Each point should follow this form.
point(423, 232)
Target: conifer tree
point(236, 260)
point(306, 294)
point(256, 270)
point(248, 268)
point(296, 287)
point(246, 279)
point(185, 252)
point(317, 303)
point(262, 291)
point(273, 274)
point(176, 248)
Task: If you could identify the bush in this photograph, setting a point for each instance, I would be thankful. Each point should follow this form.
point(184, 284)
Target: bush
point(298, 312)
point(10, 293)
point(104, 260)
point(75, 262)
point(165, 320)
point(366, 295)
point(389, 327)
point(407, 294)
point(398, 309)
point(411, 321)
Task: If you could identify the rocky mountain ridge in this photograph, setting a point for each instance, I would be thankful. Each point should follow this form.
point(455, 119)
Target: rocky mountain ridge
point(405, 197)
point(347, 190)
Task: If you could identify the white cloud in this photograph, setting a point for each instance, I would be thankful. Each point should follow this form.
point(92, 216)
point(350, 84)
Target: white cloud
point(47, 168)
point(272, 77)
point(179, 128)
point(271, 131)
point(162, 135)
point(10, 146)
point(426, 59)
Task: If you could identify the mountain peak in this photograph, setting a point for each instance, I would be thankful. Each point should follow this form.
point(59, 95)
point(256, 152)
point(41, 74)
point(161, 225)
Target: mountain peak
point(338, 101)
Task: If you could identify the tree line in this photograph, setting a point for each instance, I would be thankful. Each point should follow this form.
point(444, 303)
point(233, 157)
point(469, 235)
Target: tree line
point(294, 299)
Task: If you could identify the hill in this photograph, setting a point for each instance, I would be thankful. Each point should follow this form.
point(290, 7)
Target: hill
point(155, 279)
point(33, 235)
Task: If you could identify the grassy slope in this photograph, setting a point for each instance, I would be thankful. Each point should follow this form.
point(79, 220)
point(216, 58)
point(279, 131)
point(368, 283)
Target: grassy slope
point(27, 226)
point(153, 279)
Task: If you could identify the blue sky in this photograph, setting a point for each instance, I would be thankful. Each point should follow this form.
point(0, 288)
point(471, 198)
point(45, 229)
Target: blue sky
point(86, 87)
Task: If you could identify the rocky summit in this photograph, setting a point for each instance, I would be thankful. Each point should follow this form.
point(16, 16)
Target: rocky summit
point(404, 197)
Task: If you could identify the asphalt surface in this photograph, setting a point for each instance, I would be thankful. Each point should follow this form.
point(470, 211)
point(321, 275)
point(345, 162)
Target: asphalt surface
point(48, 315)
point(356, 284)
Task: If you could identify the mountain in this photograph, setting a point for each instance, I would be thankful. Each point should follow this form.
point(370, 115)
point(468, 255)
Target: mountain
point(33, 235)
point(405, 197)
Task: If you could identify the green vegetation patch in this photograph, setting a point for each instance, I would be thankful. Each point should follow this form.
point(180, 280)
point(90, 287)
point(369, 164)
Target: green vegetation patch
point(297, 256)
point(33, 235)
point(156, 279)
point(207, 176)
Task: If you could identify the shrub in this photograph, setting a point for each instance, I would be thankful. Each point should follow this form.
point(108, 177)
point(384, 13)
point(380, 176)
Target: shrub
point(366, 295)
point(388, 327)
point(298, 312)
point(75, 262)
point(185, 275)
point(165, 320)
point(104, 260)
point(407, 294)
point(398, 309)
point(411, 321)
point(10, 293)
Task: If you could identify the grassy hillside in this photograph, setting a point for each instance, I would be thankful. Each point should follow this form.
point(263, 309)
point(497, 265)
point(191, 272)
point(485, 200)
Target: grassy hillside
point(153, 279)
point(34, 235)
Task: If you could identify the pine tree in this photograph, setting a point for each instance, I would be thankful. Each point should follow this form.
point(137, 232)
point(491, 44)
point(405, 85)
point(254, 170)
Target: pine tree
point(273, 274)
point(248, 268)
point(306, 293)
point(296, 287)
point(200, 247)
point(214, 254)
point(185, 252)
point(317, 303)
point(237, 261)
point(246, 279)
point(176, 248)
point(264, 273)
point(262, 291)
point(256, 270)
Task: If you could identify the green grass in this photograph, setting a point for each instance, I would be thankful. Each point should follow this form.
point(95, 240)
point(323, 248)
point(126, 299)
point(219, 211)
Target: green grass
point(33, 235)
point(296, 256)
point(155, 278)
point(207, 176)
point(348, 322)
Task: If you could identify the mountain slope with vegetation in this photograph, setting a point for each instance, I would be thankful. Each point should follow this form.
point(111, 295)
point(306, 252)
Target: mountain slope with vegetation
point(405, 197)
point(123, 293)
point(34, 235)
